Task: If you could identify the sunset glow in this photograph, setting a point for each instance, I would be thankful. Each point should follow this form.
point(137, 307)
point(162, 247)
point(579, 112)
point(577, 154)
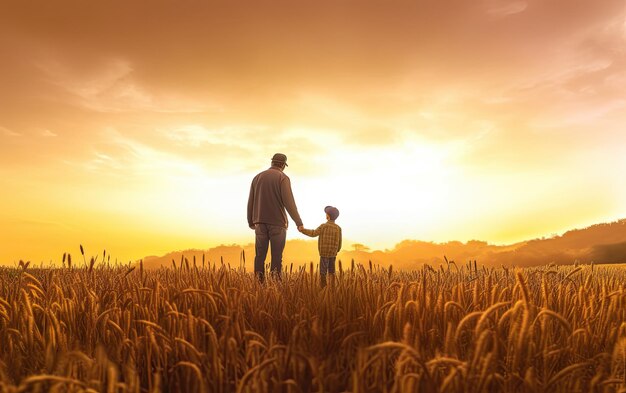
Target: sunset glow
point(137, 127)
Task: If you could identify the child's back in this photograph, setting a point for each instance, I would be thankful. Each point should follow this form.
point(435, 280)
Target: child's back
point(329, 242)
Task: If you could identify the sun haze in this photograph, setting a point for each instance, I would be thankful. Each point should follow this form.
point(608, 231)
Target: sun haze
point(138, 126)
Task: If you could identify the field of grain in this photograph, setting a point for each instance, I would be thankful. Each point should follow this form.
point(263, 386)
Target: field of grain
point(207, 327)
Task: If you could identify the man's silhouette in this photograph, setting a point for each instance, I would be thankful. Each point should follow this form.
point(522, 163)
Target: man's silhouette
point(270, 196)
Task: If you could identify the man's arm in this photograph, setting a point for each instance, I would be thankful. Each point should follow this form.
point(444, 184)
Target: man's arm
point(289, 202)
point(312, 232)
point(251, 205)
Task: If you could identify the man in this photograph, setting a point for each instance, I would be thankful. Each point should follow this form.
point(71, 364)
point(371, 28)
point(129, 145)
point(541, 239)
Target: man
point(270, 195)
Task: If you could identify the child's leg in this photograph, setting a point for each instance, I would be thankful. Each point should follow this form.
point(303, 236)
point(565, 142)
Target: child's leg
point(331, 269)
point(323, 270)
point(331, 265)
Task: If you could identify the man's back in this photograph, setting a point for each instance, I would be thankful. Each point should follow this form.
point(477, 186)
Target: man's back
point(270, 195)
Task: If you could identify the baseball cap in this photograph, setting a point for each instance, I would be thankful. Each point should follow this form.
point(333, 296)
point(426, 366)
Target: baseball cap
point(279, 157)
point(332, 212)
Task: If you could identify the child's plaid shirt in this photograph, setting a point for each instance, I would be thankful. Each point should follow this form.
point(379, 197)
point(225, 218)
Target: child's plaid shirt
point(329, 242)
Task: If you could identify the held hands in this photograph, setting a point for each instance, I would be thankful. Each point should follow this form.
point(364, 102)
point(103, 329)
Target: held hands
point(300, 227)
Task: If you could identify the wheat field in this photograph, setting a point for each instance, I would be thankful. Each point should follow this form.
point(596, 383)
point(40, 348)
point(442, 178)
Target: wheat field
point(206, 327)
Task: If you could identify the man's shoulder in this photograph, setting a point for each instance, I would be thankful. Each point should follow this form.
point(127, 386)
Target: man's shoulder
point(270, 173)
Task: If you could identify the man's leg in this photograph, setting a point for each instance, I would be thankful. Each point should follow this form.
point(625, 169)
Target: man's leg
point(261, 245)
point(323, 270)
point(278, 236)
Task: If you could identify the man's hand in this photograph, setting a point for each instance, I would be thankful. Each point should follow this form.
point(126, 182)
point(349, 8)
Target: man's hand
point(252, 226)
point(300, 228)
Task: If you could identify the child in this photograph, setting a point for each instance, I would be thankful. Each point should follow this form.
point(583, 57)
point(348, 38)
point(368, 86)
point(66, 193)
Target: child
point(329, 242)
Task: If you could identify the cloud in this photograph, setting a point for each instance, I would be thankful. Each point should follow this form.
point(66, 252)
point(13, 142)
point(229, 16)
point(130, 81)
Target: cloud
point(10, 133)
point(373, 75)
point(196, 135)
point(505, 8)
point(122, 155)
point(111, 86)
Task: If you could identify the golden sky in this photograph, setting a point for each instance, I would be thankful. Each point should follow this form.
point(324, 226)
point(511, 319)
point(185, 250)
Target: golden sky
point(138, 126)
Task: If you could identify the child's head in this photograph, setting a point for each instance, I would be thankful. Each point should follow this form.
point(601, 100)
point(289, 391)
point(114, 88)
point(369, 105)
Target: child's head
point(331, 213)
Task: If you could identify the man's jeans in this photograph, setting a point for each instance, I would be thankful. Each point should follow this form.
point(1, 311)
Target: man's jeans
point(267, 234)
point(327, 265)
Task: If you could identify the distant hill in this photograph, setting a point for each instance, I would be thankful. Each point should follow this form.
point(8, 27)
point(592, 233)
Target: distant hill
point(601, 243)
point(296, 251)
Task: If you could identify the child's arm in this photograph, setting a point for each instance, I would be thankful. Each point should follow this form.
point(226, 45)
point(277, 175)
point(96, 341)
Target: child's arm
point(311, 232)
point(339, 248)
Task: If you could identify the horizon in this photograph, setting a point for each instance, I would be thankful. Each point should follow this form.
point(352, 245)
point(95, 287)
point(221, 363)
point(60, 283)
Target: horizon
point(603, 243)
point(139, 129)
point(310, 248)
point(348, 244)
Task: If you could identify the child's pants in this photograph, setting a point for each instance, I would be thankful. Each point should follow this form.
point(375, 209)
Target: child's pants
point(327, 265)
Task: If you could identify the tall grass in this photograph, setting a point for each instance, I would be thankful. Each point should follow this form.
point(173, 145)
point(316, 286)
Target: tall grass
point(216, 329)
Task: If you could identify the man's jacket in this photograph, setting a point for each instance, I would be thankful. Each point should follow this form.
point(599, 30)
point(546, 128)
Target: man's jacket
point(270, 195)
